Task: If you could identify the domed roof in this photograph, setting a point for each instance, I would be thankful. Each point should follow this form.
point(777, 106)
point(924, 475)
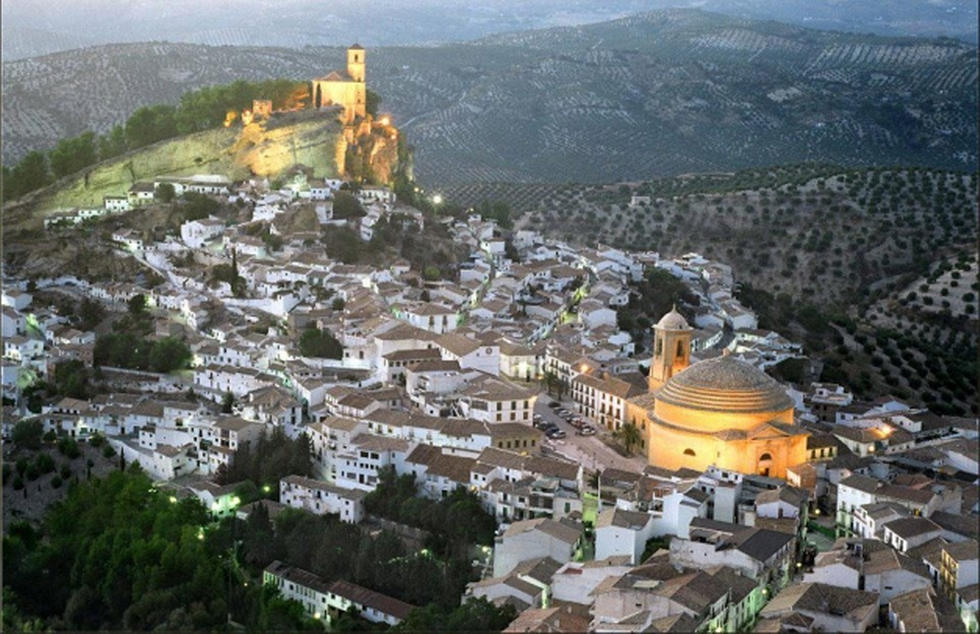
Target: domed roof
point(725, 384)
point(673, 321)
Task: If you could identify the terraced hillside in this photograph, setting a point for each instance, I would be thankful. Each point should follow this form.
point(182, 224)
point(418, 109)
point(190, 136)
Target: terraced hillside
point(843, 259)
point(662, 93)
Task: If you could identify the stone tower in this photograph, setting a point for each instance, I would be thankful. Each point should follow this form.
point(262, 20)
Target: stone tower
point(671, 348)
point(355, 63)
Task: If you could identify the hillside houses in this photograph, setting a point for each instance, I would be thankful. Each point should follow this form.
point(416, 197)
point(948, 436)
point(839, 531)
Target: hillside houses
point(386, 372)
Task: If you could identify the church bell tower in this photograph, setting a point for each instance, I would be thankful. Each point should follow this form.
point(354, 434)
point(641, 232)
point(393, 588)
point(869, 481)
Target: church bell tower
point(355, 63)
point(671, 348)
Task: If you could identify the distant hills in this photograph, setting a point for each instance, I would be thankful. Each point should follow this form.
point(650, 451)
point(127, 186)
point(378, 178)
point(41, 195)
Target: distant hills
point(39, 27)
point(656, 94)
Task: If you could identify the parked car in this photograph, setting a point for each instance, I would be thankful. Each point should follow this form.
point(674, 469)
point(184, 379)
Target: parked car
point(538, 424)
point(536, 418)
point(577, 423)
point(554, 404)
point(586, 430)
point(556, 433)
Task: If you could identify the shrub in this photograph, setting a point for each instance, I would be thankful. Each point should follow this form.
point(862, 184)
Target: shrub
point(44, 463)
point(68, 447)
point(56, 482)
point(108, 451)
point(28, 433)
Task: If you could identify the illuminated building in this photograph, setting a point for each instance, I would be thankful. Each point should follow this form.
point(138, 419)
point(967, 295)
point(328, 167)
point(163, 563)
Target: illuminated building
point(723, 411)
point(344, 88)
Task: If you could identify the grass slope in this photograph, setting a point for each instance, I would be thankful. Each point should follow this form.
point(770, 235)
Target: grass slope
point(237, 152)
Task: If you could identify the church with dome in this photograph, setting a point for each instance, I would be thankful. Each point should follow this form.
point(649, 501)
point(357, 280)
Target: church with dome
point(721, 411)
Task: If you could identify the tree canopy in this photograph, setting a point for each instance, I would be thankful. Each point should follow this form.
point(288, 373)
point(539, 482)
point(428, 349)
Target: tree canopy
point(320, 343)
point(126, 350)
point(117, 553)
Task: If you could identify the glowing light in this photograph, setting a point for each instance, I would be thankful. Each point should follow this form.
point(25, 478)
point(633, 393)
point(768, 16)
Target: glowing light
point(385, 121)
point(316, 615)
point(235, 501)
point(799, 564)
point(173, 499)
point(200, 534)
point(437, 199)
point(215, 506)
point(247, 117)
point(266, 488)
point(230, 117)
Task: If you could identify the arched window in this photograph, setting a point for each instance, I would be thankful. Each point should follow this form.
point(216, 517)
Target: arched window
point(680, 349)
point(660, 346)
point(688, 452)
point(764, 457)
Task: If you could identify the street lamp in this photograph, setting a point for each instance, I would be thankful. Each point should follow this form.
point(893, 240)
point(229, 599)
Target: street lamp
point(437, 199)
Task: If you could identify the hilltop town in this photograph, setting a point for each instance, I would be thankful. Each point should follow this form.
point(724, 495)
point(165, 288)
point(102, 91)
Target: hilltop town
point(507, 376)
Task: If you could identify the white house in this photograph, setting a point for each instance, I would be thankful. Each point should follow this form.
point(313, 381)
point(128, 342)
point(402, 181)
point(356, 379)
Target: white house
point(116, 204)
point(321, 498)
point(195, 233)
point(533, 538)
point(622, 533)
point(325, 601)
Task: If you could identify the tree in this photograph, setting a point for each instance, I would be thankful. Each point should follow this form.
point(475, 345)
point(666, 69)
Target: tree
point(168, 354)
point(197, 206)
point(338, 303)
point(371, 102)
point(29, 174)
point(137, 304)
point(71, 379)
point(112, 144)
point(227, 402)
point(71, 155)
point(629, 434)
point(150, 124)
point(346, 206)
point(27, 433)
point(90, 313)
point(320, 343)
point(165, 192)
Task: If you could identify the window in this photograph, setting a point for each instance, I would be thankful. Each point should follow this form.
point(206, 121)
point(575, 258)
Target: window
point(765, 456)
point(689, 452)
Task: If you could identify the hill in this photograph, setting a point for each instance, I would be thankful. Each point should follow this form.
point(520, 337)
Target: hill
point(264, 149)
point(38, 27)
point(662, 93)
point(874, 269)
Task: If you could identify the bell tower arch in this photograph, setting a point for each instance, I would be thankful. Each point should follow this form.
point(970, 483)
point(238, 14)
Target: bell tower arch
point(671, 348)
